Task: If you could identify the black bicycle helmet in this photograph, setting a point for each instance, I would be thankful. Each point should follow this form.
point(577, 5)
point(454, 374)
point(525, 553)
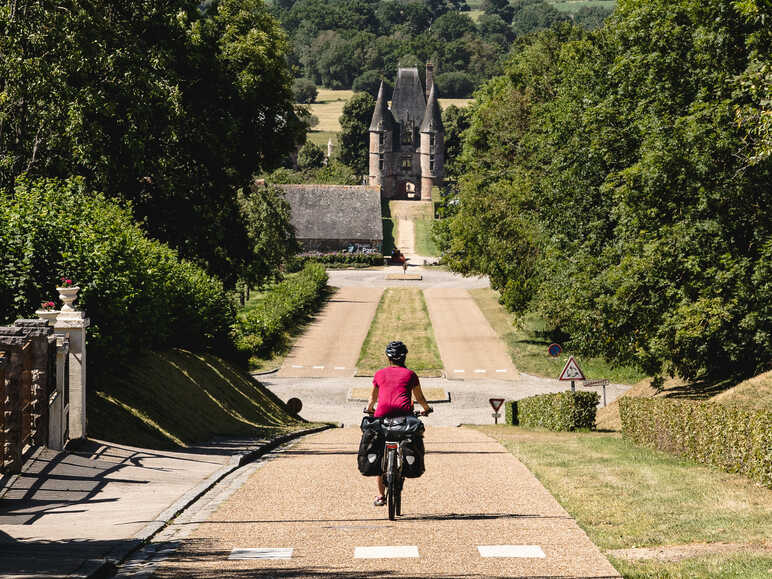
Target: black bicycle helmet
point(396, 352)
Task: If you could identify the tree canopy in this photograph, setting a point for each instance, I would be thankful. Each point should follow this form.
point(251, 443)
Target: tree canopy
point(336, 42)
point(618, 183)
point(170, 106)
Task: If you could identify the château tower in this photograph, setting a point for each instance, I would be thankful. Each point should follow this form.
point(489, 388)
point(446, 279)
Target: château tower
point(407, 140)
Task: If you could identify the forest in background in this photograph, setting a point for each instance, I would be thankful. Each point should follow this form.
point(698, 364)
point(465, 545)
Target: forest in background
point(357, 43)
point(617, 183)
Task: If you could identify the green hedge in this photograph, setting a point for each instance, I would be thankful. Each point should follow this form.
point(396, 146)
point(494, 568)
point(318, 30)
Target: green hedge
point(260, 329)
point(510, 412)
point(560, 411)
point(136, 291)
point(339, 258)
point(731, 438)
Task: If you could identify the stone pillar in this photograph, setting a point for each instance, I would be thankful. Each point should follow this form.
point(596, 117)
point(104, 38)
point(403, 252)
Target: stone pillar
point(72, 324)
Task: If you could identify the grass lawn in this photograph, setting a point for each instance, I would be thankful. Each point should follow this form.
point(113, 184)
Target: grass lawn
point(424, 244)
point(329, 106)
point(475, 14)
point(573, 6)
point(322, 137)
point(629, 497)
point(174, 398)
point(528, 345)
point(401, 315)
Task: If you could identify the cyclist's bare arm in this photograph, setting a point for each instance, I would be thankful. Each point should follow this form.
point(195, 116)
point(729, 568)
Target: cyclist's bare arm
point(373, 399)
point(418, 394)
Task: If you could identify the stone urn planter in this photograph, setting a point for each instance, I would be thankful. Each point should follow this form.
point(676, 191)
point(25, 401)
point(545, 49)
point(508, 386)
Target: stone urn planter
point(68, 295)
point(48, 315)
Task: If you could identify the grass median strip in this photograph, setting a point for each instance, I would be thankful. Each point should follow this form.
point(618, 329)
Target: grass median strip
point(401, 315)
point(653, 514)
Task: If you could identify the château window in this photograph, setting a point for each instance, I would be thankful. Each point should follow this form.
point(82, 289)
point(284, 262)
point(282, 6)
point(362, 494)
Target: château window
point(380, 139)
point(431, 161)
point(431, 140)
point(380, 162)
point(407, 133)
point(407, 163)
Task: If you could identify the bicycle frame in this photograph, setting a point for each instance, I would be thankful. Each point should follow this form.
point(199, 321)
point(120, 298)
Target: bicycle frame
point(392, 463)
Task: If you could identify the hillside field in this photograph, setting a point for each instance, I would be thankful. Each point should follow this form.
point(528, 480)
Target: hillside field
point(329, 106)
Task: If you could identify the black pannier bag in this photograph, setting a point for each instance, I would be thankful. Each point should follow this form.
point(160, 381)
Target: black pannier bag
point(370, 456)
point(413, 451)
point(402, 427)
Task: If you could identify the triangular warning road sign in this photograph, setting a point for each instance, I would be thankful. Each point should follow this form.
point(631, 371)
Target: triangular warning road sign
point(571, 371)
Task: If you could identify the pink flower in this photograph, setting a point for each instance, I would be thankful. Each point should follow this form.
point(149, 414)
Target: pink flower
point(48, 305)
point(66, 282)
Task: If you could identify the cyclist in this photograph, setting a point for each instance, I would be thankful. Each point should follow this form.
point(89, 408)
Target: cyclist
point(393, 390)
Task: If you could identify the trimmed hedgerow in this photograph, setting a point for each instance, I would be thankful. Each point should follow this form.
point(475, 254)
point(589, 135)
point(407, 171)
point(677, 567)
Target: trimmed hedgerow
point(560, 411)
point(731, 438)
point(510, 412)
point(261, 328)
point(136, 291)
point(336, 259)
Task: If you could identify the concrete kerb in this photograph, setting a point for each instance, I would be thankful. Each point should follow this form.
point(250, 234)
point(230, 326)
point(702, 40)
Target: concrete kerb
point(107, 567)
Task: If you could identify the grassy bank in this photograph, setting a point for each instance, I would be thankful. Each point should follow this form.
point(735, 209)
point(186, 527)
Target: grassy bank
point(176, 398)
point(424, 244)
point(321, 138)
point(528, 345)
point(681, 518)
point(401, 315)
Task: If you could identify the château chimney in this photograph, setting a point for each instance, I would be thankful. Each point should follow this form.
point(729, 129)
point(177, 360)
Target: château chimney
point(429, 78)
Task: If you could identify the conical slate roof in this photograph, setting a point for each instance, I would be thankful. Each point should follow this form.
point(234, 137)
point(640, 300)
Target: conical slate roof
point(408, 101)
point(382, 119)
point(433, 117)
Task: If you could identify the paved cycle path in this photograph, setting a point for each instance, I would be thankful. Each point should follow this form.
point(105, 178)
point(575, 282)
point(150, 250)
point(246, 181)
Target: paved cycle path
point(331, 344)
point(477, 512)
point(469, 347)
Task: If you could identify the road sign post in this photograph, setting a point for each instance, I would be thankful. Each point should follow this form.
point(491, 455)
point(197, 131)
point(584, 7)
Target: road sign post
point(496, 404)
point(602, 383)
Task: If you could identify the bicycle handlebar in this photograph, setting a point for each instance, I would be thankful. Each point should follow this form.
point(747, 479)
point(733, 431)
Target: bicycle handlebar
point(415, 413)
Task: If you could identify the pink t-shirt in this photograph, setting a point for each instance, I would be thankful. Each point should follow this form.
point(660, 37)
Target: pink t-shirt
point(395, 388)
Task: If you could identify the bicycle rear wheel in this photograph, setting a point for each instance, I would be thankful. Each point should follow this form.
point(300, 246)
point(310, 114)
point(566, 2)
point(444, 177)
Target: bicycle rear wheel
point(393, 485)
point(398, 495)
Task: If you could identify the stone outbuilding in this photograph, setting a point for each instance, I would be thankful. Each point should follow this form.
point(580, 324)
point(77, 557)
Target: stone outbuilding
point(407, 140)
point(333, 217)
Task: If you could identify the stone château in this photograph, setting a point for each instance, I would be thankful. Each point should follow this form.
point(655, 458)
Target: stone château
point(407, 140)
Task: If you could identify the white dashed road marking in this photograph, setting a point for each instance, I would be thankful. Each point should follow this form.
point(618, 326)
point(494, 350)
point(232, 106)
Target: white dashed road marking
point(261, 553)
point(501, 370)
point(340, 367)
point(480, 371)
point(318, 367)
point(403, 552)
point(459, 371)
point(521, 551)
point(297, 366)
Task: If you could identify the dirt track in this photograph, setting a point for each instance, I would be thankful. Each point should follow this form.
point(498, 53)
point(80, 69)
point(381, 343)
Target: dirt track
point(330, 347)
point(469, 347)
point(311, 499)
